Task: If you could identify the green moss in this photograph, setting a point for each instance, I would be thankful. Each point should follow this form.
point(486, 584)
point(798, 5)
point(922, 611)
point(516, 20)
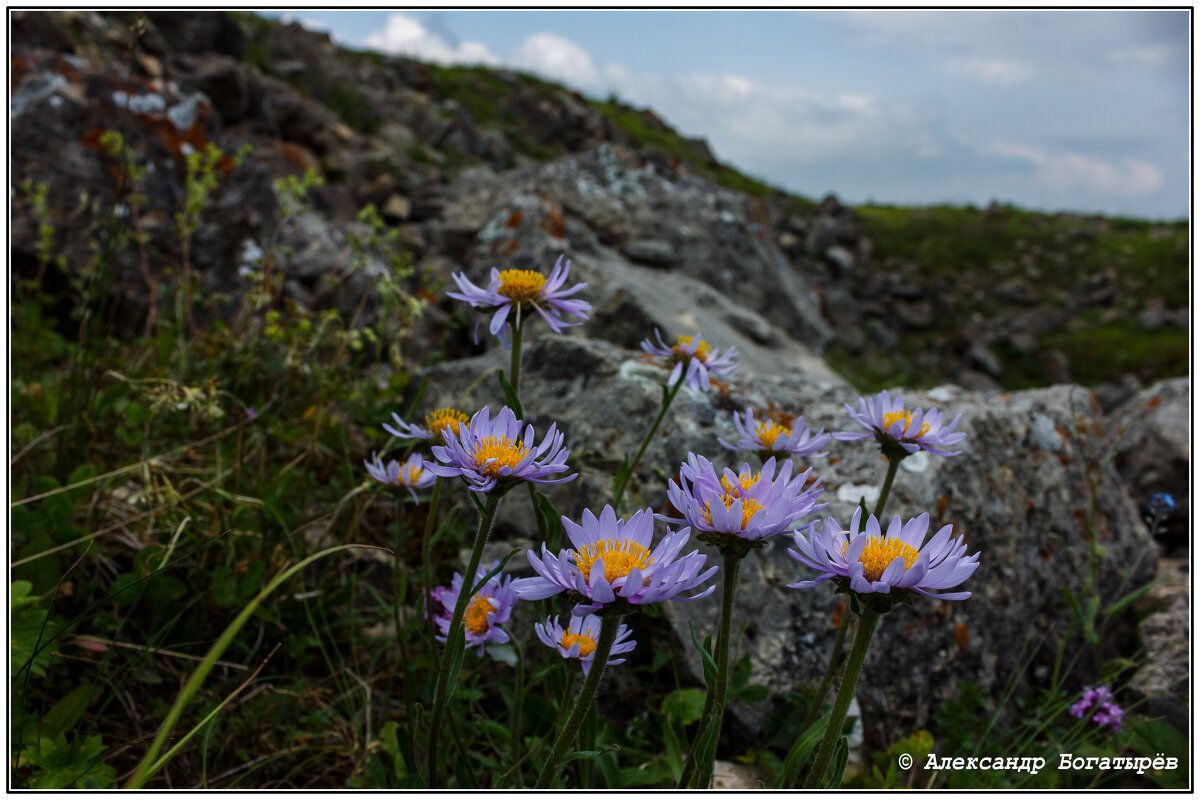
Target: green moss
point(1106, 352)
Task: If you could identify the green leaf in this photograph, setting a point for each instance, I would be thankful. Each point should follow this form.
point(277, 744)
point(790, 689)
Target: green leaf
point(457, 644)
point(28, 627)
point(19, 594)
point(578, 754)
point(223, 587)
point(674, 752)
point(683, 706)
point(549, 520)
point(797, 755)
point(66, 712)
point(62, 765)
point(1089, 620)
point(84, 472)
point(510, 396)
point(839, 763)
point(706, 657)
point(1117, 606)
point(752, 693)
point(494, 570)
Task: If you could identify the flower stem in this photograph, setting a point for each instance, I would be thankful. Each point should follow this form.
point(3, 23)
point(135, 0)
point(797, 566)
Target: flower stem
point(839, 643)
point(514, 368)
point(893, 463)
point(566, 737)
point(427, 577)
point(833, 729)
point(623, 478)
point(486, 517)
point(705, 769)
point(830, 671)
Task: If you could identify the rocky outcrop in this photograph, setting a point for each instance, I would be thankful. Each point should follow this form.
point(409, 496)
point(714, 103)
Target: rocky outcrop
point(1155, 452)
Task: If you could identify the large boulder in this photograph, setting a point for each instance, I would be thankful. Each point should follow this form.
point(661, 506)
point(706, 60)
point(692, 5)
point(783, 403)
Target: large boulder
point(683, 249)
point(1015, 492)
point(1155, 452)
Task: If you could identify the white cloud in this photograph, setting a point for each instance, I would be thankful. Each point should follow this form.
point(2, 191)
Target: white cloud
point(556, 58)
point(749, 122)
point(307, 23)
point(993, 70)
point(1155, 56)
point(408, 36)
point(1069, 171)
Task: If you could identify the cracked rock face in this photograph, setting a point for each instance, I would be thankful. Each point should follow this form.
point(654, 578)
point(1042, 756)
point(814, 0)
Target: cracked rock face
point(1014, 492)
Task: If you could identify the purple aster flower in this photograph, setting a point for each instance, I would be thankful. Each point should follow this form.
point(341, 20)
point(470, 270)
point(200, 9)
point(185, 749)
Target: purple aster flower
point(435, 423)
point(694, 360)
point(868, 561)
point(1107, 712)
point(511, 290)
point(748, 505)
point(612, 565)
point(771, 438)
point(886, 420)
point(580, 637)
point(412, 475)
point(487, 610)
point(488, 451)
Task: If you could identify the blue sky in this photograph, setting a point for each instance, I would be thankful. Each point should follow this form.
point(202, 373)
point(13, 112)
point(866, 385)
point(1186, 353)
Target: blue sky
point(1053, 110)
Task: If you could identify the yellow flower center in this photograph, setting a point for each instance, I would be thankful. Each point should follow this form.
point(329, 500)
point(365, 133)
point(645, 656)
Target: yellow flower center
point(505, 453)
point(881, 551)
point(702, 350)
point(586, 643)
point(750, 507)
point(769, 431)
point(521, 285)
point(619, 558)
point(892, 416)
point(746, 479)
point(476, 616)
point(414, 474)
point(437, 421)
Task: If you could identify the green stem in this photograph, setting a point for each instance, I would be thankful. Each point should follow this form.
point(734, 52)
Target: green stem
point(839, 643)
point(518, 688)
point(833, 729)
point(514, 369)
point(426, 566)
point(455, 631)
point(566, 737)
point(623, 479)
point(150, 763)
point(689, 769)
point(893, 463)
point(728, 588)
point(830, 671)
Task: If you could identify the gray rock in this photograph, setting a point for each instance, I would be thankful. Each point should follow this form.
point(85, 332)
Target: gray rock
point(652, 252)
point(1155, 453)
point(841, 258)
point(982, 356)
point(1161, 681)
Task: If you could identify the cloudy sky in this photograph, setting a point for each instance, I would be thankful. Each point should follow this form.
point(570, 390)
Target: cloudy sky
point(1077, 110)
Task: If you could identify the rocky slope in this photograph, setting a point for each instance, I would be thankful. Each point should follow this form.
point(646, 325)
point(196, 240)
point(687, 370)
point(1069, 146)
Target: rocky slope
point(476, 169)
point(987, 299)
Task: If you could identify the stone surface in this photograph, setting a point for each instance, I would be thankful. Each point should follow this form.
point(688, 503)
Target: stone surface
point(1162, 679)
point(1155, 454)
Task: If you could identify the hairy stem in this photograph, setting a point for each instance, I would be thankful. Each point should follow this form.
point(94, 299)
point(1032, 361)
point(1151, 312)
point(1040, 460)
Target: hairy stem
point(833, 729)
point(455, 631)
point(623, 480)
point(566, 737)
